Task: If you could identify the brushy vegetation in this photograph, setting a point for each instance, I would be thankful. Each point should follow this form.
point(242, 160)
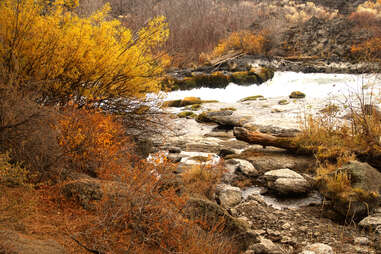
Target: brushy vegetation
point(242, 41)
point(336, 142)
point(367, 17)
point(201, 180)
point(63, 125)
point(50, 49)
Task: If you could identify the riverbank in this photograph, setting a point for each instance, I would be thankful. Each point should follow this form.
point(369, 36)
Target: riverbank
point(287, 217)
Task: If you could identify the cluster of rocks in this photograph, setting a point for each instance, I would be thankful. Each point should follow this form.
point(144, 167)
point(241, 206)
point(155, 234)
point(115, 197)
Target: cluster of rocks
point(344, 6)
point(327, 39)
point(267, 189)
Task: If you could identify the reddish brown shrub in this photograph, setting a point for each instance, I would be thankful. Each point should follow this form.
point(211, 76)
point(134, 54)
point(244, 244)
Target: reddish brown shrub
point(91, 140)
point(26, 132)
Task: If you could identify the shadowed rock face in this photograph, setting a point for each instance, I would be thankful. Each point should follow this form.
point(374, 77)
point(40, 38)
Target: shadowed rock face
point(12, 242)
point(344, 6)
point(318, 37)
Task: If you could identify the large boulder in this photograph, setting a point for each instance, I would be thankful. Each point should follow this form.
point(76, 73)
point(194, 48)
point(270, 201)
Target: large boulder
point(84, 191)
point(285, 182)
point(240, 166)
point(228, 196)
point(363, 176)
point(212, 213)
point(224, 118)
point(12, 242)
point(274, 158)
point(366, 181)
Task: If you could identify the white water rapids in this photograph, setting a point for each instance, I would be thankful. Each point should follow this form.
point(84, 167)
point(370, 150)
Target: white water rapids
point(314, 85)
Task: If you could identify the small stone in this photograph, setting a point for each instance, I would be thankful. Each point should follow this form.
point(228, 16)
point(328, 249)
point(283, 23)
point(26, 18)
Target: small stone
point(174, 150)
point(286, 225)
point(241, 166)
point(361, 241)
point(283, 102)
point(276, 110)
point(259, 231)
point(319, 248)
point(297, 95)
point(303, 228)
point(371, 222)
point(265, 246)
point(233, 212)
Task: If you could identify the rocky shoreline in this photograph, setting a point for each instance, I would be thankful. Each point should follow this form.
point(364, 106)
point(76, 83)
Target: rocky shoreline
point(273, 192)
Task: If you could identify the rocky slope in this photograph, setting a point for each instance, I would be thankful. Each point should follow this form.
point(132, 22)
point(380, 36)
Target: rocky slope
point(271, 190)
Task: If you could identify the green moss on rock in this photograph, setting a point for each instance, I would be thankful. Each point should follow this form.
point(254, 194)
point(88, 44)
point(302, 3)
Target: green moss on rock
point(228, 108)
point(297, 95)
point(252, 98)
point(186, 114)
point(184, 102)
point(244, 78)
point(283, 102)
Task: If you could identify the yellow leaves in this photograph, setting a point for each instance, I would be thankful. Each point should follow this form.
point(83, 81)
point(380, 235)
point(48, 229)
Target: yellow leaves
point(93, 57)
point(91, 141)
point(244, 41)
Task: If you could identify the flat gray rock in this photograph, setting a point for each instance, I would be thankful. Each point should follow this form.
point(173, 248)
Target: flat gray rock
point(285, 182)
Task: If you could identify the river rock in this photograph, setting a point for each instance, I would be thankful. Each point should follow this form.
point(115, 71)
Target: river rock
point(184, 102)
point(241, 166)
point(371, 222)
point(224, 118)
point(285, 182)
point(318, 248)
point(361, 240)
point(274, 158)
point(228, 195)
point(364, 177)
point(211, 212)
point(13, 242)
point(265, 246)
point(84, 190)
point(297, 95)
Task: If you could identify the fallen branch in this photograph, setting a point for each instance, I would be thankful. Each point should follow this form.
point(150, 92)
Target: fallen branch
point(258, 138)
point(371, 156)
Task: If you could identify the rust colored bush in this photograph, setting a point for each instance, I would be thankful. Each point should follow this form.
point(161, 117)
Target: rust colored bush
point(242, 41)
point(201, 180)
point(144, 215)
point(92, 141)
point(368, 50)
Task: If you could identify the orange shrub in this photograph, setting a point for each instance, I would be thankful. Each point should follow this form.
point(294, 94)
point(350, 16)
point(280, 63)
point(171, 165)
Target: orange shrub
point(244, 41)
point(368, 50)
point(201, 180)
point(143, 213)
point(92, 141)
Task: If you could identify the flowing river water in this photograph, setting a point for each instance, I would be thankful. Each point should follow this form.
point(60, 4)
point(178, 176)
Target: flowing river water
point(315, 85)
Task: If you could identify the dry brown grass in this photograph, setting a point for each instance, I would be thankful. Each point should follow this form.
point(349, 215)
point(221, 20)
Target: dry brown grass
point(336, 142)
point(201, 180)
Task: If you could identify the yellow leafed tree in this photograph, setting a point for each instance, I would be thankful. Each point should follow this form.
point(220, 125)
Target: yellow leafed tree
point(46, 47)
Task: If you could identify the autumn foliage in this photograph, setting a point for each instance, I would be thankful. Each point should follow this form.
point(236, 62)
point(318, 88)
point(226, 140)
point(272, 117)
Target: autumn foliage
point(91, 140)
point(49, 48)
point(242, 41)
